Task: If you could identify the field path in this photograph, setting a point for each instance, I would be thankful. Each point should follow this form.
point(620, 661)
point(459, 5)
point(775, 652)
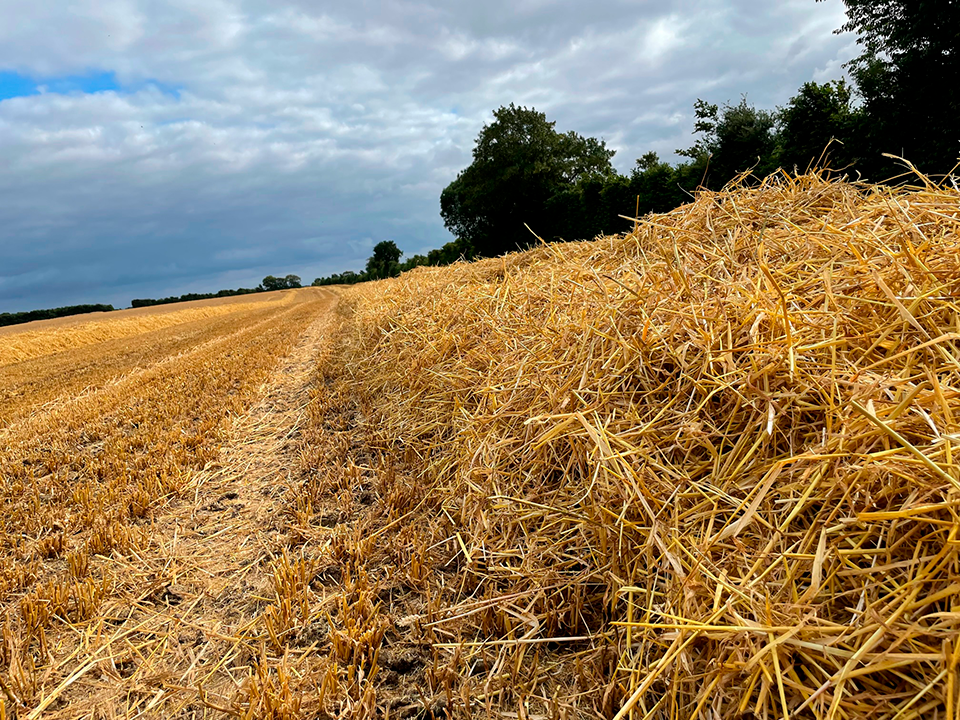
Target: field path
point(186, 634)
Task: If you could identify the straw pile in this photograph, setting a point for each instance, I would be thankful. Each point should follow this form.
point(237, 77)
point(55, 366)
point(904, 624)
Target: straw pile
point(711, 460)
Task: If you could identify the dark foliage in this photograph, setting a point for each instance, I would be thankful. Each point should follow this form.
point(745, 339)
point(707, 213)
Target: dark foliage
point(347, 277)
point(819, 126)
point(284, 283)
point(520, 165)
point(31, 315)
point(148, 302)
point(733, 139)
point(385, 261)
point(908, 77)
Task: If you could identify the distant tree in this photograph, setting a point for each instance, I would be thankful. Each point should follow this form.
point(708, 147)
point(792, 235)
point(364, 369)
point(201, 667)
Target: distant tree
point(292, 281)
point(660, 186)
point(814, 117)
point(385, 261)
point(451, 252)
point(733, 138)
point(414, 262)
point(147, 302)
point(348, 277)
point(519, 163)
point(909, 78)
point(273, 283)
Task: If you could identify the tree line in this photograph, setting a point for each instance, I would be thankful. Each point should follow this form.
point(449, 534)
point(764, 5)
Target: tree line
point(527, 181)
point(269, 283)
point(50, 313)
point(385, 262)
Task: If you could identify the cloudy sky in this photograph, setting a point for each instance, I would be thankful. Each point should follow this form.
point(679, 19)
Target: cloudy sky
point(149, 148)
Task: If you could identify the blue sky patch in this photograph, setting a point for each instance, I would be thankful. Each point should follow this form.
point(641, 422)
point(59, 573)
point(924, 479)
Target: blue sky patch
point(13, 84)
point(85, 84)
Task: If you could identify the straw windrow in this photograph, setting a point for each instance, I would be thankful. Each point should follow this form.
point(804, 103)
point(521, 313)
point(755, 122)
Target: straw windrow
point(707, 467)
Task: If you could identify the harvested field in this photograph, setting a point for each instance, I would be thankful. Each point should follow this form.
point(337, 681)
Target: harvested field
point(27, 386)
point(82, 319)
point(702, 470)
point(106, 506)
point(49, 337)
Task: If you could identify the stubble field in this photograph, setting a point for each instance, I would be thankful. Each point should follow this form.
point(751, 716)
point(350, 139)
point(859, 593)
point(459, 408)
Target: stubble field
point(114, 430)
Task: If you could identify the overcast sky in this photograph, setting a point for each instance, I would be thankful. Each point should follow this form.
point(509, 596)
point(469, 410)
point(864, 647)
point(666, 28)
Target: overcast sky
point(152, 148)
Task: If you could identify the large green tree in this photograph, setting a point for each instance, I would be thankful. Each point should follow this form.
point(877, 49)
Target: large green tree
point(819, 127)
point(385, 261)
point(909, 78)
point(519, 163)
point(733, 139)
point(273, 283)
point(284, 283)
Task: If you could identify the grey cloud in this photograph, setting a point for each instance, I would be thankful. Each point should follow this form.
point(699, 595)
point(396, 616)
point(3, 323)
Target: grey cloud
point(299, 134)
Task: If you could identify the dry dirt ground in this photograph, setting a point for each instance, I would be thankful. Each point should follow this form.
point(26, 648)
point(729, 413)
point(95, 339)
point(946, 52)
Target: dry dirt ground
point(184, 644)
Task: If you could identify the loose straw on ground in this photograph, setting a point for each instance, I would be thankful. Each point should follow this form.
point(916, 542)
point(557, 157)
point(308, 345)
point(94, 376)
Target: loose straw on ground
point(723, 445)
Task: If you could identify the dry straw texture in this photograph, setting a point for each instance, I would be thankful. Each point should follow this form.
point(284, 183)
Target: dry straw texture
point(720, 447)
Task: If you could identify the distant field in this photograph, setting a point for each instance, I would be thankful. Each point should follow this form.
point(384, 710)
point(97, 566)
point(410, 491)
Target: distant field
point(44, 337)
point(137, 312)
point(50, 359)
